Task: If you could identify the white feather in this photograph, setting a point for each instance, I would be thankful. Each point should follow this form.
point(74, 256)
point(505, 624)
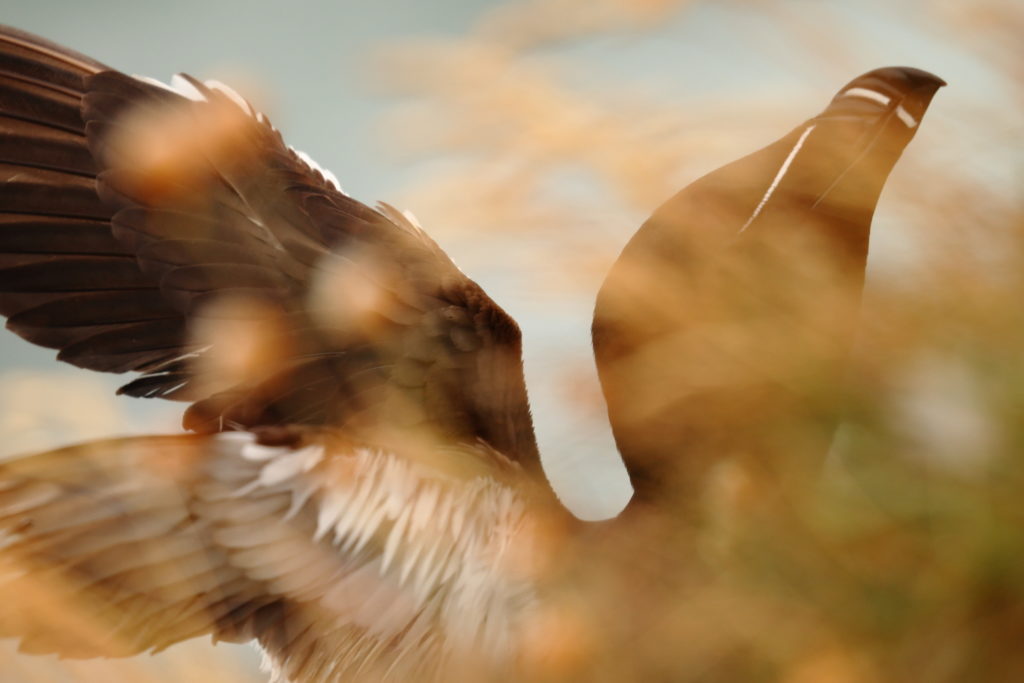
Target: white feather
point(394, 539)
point(289, 465)
point(425, 504)
point(331, 507)
point(186, 89)
point(327, 175)
point(411, 556)
point(256, 452)
point(364, 524)
point(370, 530)
point(232, 95)
point(356, 506)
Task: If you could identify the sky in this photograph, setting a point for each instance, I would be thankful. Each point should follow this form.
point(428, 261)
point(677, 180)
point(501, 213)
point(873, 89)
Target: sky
point(315, 67)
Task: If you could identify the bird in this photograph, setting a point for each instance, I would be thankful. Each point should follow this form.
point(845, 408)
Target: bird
point(359, 491)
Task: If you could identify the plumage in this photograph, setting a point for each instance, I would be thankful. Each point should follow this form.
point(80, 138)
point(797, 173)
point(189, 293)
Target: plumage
point(758, 268)
point(364, 497)
point(263, 224)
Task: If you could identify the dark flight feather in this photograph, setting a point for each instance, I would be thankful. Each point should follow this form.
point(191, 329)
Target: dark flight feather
point(258, 221)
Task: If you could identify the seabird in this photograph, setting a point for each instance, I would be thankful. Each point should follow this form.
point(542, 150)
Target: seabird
point(361, 493)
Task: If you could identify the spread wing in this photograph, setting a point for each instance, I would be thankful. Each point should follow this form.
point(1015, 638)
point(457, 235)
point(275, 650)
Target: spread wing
point(365, 475)
point(172, 233)
point(343, 561)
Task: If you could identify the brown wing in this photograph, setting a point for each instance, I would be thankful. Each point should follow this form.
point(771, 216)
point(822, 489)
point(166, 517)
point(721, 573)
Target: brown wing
point(345, 562)
point(129, 213)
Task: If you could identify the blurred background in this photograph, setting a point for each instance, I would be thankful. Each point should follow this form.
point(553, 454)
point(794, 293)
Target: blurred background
point(532, 138)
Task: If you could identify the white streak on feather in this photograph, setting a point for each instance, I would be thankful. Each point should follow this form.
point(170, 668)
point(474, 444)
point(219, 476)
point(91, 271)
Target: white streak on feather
point(232, 95)
point(331, 507)
point(327, 175)
point(181, 86)
point(191, 354)
point(289, 465)
point(867, 94)
point(425, 504)
point(411, 217)
point(438, 563)
point(421, 587)
point(394, 539)
point(176, 387)
point(779, 176)
point(364, 524)
point(149, 80)
point(300, 496)
point(904, 116)
point(255, 452)
point(410, 558)
point(356, 505)
point(369, 530)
